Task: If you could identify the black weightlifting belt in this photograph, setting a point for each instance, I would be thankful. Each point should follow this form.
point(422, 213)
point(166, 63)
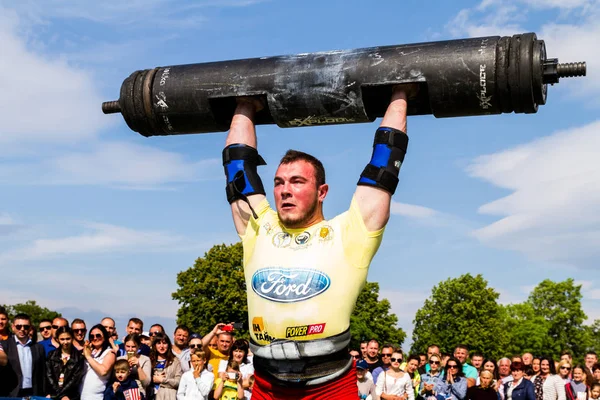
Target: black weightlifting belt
point(303, 363)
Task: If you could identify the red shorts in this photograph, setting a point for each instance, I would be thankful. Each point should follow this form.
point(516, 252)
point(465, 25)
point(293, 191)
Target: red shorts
point(342, 388)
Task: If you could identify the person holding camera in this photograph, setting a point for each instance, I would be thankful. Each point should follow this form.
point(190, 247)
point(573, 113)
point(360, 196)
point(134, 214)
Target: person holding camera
point(228, 385)
point(224, 334)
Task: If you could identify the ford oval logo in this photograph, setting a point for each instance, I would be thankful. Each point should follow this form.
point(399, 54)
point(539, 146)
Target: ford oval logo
point(288, 285)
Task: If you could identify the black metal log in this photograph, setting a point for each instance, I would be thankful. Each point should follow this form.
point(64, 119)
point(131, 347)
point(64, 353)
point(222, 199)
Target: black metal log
point(466, 77)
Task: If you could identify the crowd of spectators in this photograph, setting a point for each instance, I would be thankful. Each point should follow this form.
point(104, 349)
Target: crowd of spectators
point(387, 373)
point(65, 361)
point(71, 362)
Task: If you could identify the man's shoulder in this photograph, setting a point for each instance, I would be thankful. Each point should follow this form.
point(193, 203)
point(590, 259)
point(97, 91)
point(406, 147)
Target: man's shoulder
point(470, 371)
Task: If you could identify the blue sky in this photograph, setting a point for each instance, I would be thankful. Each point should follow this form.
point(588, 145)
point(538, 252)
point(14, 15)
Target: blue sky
point(96, 219)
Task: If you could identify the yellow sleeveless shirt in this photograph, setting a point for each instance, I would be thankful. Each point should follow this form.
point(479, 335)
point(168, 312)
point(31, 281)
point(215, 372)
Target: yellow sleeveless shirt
point(302, 284)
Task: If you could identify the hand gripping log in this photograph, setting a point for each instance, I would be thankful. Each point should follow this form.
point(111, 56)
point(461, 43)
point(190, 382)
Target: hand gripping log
point(479, 76)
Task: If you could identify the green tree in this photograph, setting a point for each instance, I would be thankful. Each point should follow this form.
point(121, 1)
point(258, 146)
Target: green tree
point(371, 319)
point(461, 310)
point(34, 310)
point(213, 290)
point(527, 331)
point(559, 303)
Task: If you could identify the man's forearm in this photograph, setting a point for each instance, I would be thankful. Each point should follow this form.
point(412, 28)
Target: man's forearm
point(242, 129)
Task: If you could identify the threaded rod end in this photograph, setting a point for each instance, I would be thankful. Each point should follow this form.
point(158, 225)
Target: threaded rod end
point(111, 107)
point(568, 70)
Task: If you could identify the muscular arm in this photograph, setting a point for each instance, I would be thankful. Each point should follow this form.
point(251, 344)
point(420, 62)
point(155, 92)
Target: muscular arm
point(374, 203)
point(242, 131)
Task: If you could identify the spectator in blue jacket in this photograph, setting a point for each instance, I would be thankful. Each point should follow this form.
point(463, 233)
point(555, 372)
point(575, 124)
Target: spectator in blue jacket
point(520, 388)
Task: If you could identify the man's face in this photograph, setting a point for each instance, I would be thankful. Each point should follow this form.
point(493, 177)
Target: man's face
point(109, 325)
point(461, 354)
point(45, 329)
point(431, 350)
point(565, 357)
point(597, 375)
point(21, 328)
point(590, 359)
point(57, 323)
point(79, 331)
point(504, 368)
point(386, 353)
point(296, 194)
point(3, 322)
point(423, 360)
point(181, 338)
point(132, 327)
point(372, 349)
point(527, 358)
point(476, 361)
point(224, 343)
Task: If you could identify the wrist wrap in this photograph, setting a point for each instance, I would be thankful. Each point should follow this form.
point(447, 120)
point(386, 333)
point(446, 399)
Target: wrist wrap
point(389, 149)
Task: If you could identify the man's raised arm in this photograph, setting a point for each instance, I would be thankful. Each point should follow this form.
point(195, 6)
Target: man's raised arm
point(379, 179)
point(240, 159)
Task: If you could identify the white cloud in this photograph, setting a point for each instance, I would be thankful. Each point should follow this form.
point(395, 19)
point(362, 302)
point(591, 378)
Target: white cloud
point(111, 163)
point(411, 210)
point(98, 238)
point(43, 99)
point(569, 42)
point(553, 212)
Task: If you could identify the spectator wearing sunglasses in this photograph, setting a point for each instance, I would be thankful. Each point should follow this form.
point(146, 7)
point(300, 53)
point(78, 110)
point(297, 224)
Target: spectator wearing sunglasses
point(79, 330)
point(394, 383)
point(51, 343)
point(24, 374)
point(45, 329)
point(99, 363)
point(454, 384)
point(386, 354)
point(430, 378)
point(139, 364)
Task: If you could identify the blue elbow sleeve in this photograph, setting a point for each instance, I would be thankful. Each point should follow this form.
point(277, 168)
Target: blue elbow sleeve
point(240, 163)
point(389, 149)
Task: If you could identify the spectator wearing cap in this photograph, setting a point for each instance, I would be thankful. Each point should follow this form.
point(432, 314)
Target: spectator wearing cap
point(366, 387)
point(520, 388)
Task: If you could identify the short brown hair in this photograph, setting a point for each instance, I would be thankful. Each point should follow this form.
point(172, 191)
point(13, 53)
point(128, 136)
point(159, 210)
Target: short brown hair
point(292, 156)
point(121, 365)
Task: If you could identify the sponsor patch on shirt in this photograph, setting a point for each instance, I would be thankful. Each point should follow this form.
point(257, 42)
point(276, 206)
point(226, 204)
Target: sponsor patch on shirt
point(304, 330)
point(289, 285)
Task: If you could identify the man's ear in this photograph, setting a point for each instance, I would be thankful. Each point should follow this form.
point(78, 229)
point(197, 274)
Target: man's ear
point(322, 192)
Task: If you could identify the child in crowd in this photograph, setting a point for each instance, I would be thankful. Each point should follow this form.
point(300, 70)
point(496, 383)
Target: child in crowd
point(228, 385)
point(196, 383)
point(366, 387)
point(595, 391)
point(122, 387)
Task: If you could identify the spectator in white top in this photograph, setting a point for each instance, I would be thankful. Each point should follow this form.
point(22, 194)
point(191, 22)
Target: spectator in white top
point(197, 382)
